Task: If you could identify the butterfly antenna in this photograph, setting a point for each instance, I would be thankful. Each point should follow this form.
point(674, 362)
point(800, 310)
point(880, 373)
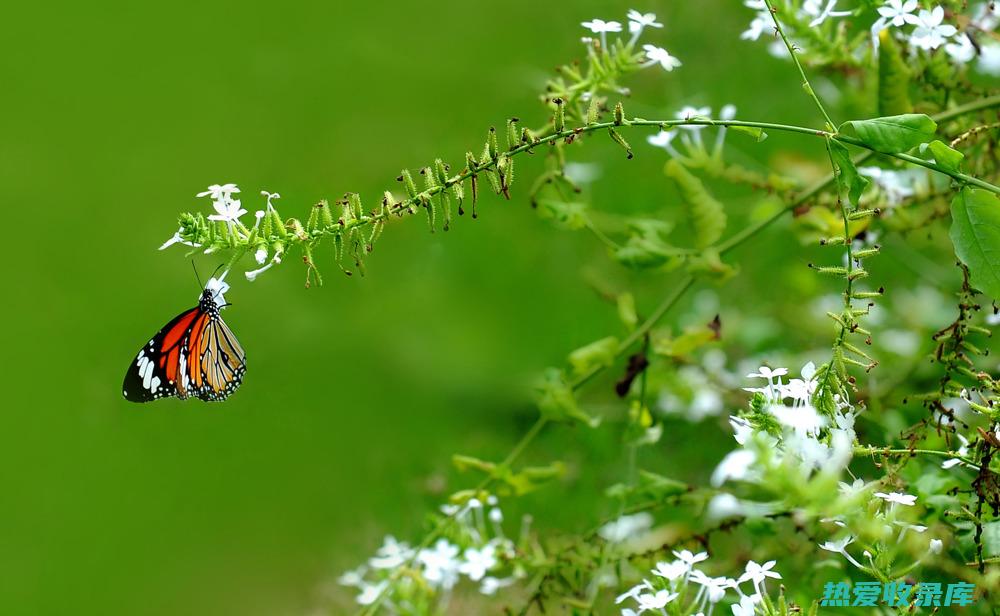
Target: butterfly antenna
point(196, 276)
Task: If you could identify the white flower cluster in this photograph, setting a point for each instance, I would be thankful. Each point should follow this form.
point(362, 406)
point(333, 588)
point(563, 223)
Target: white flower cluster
point(478, 551)
point(670, 582)
point(887, 517)
point(808, 439)
point(229, 210)
point(921, 28)
point(637, 22)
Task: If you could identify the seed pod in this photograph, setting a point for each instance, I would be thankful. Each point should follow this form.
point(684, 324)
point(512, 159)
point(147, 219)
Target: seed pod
point(428, 204)
point(619, 114)
point(593, 110)
point(513, 138)
point(313, 218)
point(354, 199)
point(491, 143)
point(440, 172)
point(407, 179)
point(559, 119)
point(620, 141)
point(325, 214)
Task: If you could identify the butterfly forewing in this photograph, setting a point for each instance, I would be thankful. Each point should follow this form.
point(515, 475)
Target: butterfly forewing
point(195, 354)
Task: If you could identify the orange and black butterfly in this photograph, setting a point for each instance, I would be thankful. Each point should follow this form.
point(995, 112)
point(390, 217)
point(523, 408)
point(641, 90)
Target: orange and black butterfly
point(195, 354)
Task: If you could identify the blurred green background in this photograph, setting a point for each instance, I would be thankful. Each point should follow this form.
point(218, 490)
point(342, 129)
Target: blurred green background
point(116, 114)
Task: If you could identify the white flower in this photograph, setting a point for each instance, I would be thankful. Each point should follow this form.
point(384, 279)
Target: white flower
point(637, 21)
point(355, 577)
point(440, 564)
point(850, 489)
point(491, 584)
point(599, 26)
point(804, 419)
point(962, 50)
point(626, 526)
point(736, 465)
point(269, 196)
point(837, 546)
point(633, 593)
point(761, 22)
point(724, 506)
point(898, 12)
point(391, 555)
point(655, 601)
point(742, 430)
point(767, 373)
point(659, 55)
point(672, 570)
point(478, 562)
point(962, 451)
point(252, 275)
point(218, 286)
point(176, 239)
point(371, 592)
point(227, 211)
point(689, 558)
point(661, 139)
point(713, 587)
point(758, 573)
point(219, 192)
point(814, 8)
point(936, 546)
point(931, 33)
point(746, 606)
point(897, 497)
point(989, 59)
point(260, 256)
point(495, 515)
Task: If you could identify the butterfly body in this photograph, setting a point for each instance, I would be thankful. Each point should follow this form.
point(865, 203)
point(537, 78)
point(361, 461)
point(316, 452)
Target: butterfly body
point(194, 355)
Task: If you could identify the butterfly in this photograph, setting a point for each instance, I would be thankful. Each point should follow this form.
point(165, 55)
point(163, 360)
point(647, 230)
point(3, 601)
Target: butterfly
point(195, 354)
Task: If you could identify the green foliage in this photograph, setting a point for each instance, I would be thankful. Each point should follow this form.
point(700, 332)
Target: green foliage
point(893, 134)
point(975, 232)
point(849, 176)
point(893, 78)
point(556, 401)
point(946, 156)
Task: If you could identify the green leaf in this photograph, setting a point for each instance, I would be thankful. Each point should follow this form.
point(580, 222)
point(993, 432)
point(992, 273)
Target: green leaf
point(567, 214)
point(946, 156)
point(556, 400)
point(975, 232)
point(852, 180)
point(893, 134)
point(626, 310)
point(598, 353)
point(757, 133)
point(707, 215)
point(645, 247)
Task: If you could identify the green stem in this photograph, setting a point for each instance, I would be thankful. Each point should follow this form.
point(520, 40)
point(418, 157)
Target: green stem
point(795, 58)
point(887, 451)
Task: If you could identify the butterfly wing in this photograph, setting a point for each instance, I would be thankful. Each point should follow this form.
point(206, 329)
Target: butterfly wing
point(218, 362)
point(158, 370)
